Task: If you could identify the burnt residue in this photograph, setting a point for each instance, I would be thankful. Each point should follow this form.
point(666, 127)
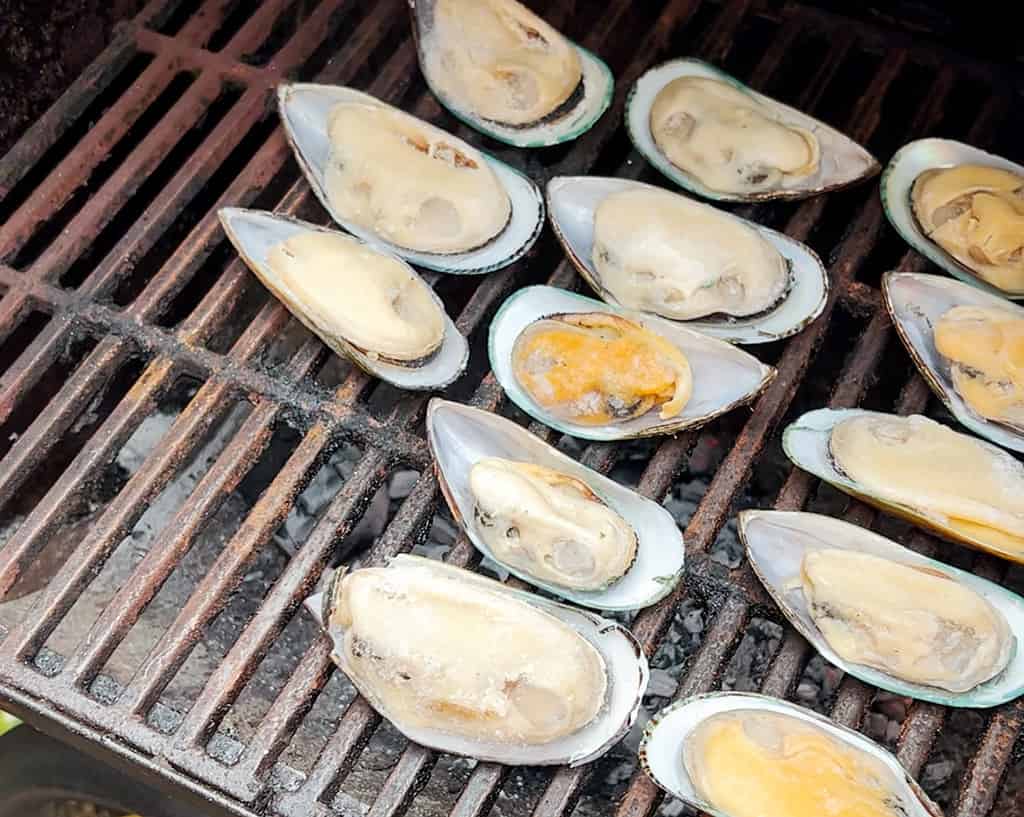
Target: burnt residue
point(43, 48)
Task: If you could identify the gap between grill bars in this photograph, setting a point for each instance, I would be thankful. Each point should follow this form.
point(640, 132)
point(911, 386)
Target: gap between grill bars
point(163, 417)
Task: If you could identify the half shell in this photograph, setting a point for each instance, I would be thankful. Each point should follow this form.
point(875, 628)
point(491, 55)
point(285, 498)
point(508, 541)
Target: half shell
point(806, 443)
point(841, 161)
point(576, 114)
point(777, 542)
point(897, 185)
point(663, 751)
point(255, 233)
point(724, 377)
point(461, 436)
point(623, 660)
point(916, 302)
point(305, 110)
point(573, 202)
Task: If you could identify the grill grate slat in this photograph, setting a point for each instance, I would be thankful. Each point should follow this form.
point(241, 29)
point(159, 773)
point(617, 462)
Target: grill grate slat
point(162, 292)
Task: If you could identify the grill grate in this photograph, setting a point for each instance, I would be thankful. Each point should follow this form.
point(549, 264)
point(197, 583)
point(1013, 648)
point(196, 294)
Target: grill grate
point(118, 287)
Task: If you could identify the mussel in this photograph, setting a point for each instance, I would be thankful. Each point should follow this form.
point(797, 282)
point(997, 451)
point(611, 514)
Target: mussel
point(569, 362)
point(711, 134)
point(506, 72)
point(547, 518)
point(463, 664)
point(403, 184)
point(742, 755)
point(886, 614)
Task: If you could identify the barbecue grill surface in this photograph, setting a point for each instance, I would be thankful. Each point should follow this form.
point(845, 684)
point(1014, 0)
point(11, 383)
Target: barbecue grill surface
point(169, 432)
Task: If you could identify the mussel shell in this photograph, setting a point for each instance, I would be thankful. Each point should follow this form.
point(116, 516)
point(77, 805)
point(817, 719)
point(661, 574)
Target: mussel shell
point(897, 184)
point(304, 109)
point(570, 121)
point(255, 232)
point(916, 302)
point(572, 203)
point(724, 376)
point(661, 750)
point(460, 436)
point(776, 542)
point(857, 164)
point(806, 443)
point(623, 657)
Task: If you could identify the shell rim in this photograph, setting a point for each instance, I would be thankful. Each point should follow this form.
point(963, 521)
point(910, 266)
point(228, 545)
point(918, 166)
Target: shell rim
point(907, 512)
point(720, 324)
point(433, 261)
point(589, 599)
point(688, 182)
point(964, 414)
point(917, 240)
point(869, 675)
point(671, 426)
point(342, 346)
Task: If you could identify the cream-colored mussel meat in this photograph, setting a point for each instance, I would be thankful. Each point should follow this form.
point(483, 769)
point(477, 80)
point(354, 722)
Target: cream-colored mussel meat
point(411, 183)
point(753, 763)
point(594, 368)
point(976, 214)
point(501, 61)
point(549, 525)
point(730, 141)
point(349, 291)
point(911, 622)
point(985, 351)
point(662, 253)
point(968, 485)
point(433, 652)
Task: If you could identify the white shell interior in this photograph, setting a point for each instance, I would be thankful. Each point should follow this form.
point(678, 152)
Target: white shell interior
point(723, 376)
point(898, 180)
point(304, 110)
point(598, 89)
point(627, 679)
point(916, 302)
point(461, 436)
point(843, 161)
point(661, 751)
point(572, 202)
point(777, 542)
point(255, 232)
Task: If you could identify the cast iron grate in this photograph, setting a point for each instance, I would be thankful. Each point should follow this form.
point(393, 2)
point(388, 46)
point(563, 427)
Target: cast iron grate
point(122, 304)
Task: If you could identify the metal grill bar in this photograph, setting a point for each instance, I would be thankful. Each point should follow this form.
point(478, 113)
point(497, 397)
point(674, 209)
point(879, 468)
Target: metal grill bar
point(243, 158)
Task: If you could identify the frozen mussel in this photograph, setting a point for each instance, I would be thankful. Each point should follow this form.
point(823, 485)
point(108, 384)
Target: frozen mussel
point(364, 303)
point(462, 664)
point(962, 208)
point(548, 519)
point(741, 755)
point(969, 347)
point(713, 135)
point(889, 616)
point(506, 72)
point(641, 247)
point(603, 373)
point(406, 185)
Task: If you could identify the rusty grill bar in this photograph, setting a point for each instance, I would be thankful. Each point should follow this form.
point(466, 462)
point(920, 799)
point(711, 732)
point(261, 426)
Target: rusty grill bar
point(109, 236)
